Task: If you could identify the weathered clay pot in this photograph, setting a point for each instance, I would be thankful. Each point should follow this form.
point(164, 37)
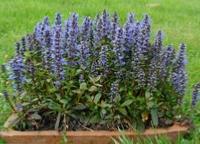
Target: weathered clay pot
point(86, 137)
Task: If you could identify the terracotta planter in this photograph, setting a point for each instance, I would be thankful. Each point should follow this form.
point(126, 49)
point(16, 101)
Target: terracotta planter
point(84, 137)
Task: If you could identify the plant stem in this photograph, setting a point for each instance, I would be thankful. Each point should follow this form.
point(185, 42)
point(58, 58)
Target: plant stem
point(57, 121)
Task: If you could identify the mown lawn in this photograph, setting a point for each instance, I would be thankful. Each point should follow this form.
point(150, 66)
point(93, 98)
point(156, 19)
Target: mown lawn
point(179, 19)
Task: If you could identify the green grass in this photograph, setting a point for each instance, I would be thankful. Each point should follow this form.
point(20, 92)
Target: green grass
point(179, 19)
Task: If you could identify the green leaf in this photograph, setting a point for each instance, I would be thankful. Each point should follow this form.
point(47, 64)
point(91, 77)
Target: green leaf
point(48, 80)
point(35, 116)
point(95, 79)
point(123, 111)
point(154, 117)
point(93, 89)
point(83, 86)
point(78, 71)
point(27, 54)
point(12, 121)
point(79, 92)
point(105, 105)
point(1, 94)
point(94, 119)
point(140, 126)
point(103, 113)
point(117, 99)
point(147, 94)
point(64, 101)
point(98, 85)
point(80, 107)
point(127, 103)
point(97, 98)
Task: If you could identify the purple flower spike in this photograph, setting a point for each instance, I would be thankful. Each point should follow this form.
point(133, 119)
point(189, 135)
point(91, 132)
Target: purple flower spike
point(119, 48)
point(85, 29)
point(152, 75)
point(98, 30)
point(23, 46)
point(114, 26)
point(18, 47)
point(58, 62)
point(166, 61)
point(140, 77)
point(136, 30)
point(95, 68)
point(143, 36)
point(73, 48)
point(48, 49)
point(195, 95)
point(179, 76)
point(129, 36)
point(103, 57)
point(84, 54)
point(66, 35)
point(114, 90)
point(30, 39)
point(106, 24)
point(157, 48)
point(38, 31)
point(138, 72)
point(17, 67)
point(131, 19)
point(146, 23)
point(58, 19)
point(57, 24)
point(46, 21)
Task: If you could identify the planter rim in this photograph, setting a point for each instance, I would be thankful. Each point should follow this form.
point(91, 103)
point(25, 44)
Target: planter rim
point(87, 137)
point(151, 131)
point(176, 127)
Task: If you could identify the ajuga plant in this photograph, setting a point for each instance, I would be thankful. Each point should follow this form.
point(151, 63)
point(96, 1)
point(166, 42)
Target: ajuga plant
point(95, 75)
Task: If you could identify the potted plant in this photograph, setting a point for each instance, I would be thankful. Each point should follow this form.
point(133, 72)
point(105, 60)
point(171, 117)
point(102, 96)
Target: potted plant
point(91, 80)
